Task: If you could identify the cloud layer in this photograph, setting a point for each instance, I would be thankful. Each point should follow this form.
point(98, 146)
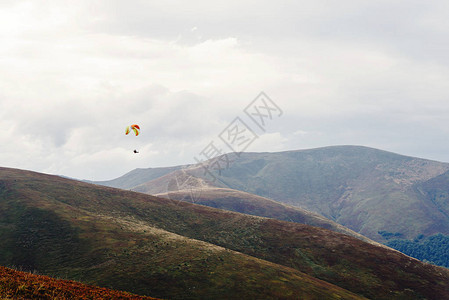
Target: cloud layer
point(74, 74)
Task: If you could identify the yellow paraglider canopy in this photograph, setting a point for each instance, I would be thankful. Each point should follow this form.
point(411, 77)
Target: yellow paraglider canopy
point(133, 127)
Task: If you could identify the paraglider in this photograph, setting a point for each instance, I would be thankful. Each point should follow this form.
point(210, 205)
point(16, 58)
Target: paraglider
point(133, 127)
point(136, 130)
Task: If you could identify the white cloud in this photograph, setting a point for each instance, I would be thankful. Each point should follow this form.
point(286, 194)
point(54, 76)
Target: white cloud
point(273, 141)
point(73, 74)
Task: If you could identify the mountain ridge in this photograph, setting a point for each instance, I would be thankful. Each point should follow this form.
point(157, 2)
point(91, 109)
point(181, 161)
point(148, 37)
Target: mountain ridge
point(362, 188)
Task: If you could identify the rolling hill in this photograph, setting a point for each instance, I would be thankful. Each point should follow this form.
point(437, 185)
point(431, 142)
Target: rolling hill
point(168, 249)
point(251, 204)
point(68, 229)
point(364, 189)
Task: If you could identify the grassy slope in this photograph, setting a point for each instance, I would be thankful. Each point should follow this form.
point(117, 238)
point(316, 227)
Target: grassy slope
point(78, 231)
point(122, 243)
point(23, 285)
point(364, 189)
point(251, 204)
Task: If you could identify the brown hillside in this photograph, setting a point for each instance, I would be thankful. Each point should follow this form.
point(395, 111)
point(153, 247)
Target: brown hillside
point(23, 285)
point(251, 204)
point(94, 234)
point(255, 250)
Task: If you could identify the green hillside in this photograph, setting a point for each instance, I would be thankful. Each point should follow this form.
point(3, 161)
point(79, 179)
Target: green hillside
point(162, 248)
point(433, 249)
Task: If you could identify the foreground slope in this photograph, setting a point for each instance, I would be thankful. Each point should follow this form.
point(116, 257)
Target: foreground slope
point(173, 249)
point(23, 285)
point(74, 230)
point(364, 189)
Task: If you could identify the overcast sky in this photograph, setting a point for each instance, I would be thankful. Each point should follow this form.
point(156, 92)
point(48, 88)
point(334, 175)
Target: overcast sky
point(74, 74)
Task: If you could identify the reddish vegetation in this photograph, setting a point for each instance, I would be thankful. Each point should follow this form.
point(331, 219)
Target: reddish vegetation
point(22, 285)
